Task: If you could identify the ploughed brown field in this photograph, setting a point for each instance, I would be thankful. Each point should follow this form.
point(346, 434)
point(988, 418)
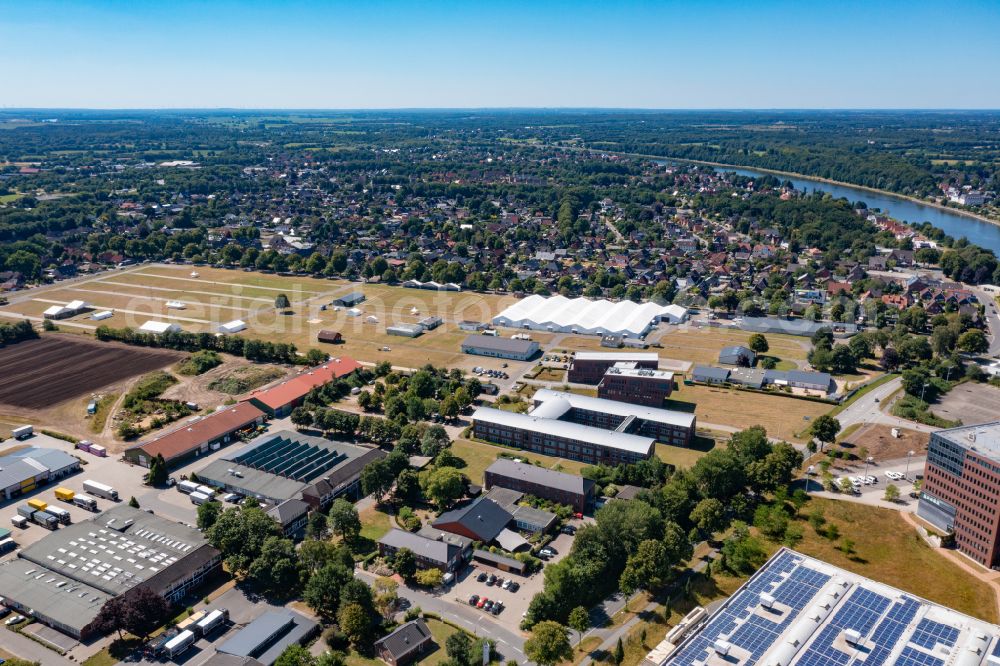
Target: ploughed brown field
point(54, 368)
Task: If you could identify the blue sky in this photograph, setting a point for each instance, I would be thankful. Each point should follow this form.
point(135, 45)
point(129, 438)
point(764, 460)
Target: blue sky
point(685, 54)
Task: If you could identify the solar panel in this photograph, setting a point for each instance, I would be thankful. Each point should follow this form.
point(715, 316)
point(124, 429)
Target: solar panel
point(929, 633)
point(912, 657)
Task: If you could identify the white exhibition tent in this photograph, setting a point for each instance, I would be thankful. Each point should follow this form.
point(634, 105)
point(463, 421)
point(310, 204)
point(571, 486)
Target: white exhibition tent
point(582, 315)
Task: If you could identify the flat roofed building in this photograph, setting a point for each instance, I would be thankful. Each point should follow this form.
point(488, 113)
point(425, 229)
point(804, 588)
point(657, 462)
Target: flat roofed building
point(626, 382)
point(961, 489)
point(279, 400)
point(590, 367)
point(800, 611)
point(269, 635)
point(559, 487)
point(24, 470)
point(664, 425)
point(197, 437)
point(498, 347)
point(106, 556)
point(285, 465)
point(553, 437)
point(348, 300)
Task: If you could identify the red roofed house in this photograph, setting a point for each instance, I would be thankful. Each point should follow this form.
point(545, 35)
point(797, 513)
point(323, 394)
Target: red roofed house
point(279, 400)
point(198, 437)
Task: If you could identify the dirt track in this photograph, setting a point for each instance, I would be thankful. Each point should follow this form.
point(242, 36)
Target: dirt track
point(41, 373)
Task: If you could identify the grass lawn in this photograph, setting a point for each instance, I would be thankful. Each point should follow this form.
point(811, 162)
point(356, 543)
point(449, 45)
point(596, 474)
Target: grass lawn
point(685, 456)
point(479, 455)
point(783, 416)
point(374, 523)
point(888, 550)
point(702, 345)
point(551, 375)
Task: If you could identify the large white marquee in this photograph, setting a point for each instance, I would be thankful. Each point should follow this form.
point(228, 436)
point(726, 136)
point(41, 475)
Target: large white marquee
point(581, 315)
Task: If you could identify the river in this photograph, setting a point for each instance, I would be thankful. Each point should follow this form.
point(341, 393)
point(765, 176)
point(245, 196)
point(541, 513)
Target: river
point(983, 234)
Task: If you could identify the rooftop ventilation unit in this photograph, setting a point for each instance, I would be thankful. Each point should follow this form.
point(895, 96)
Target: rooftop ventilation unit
point(852, 636)
point(722, 647)
point(767, 600)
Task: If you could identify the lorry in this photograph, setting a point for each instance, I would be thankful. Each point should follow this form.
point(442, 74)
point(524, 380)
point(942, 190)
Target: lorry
point(61, 514)
point(46, 520)
point(101, 490)
point(85, 501)
point(179, 644)
point(37, 504)
point(24, 432)
point(210, 622)
point(187, 487)
point(19, 521)
point(7, 545)
point(64, 494)
point(199, 498)
point(206, 490)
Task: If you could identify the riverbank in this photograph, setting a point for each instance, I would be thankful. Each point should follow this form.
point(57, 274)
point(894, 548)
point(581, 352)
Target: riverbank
point(791, 174)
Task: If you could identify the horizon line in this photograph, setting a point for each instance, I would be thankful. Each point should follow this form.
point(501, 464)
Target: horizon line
point(633, 109)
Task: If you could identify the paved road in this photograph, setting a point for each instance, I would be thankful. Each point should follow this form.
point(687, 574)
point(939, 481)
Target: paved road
point(509, 644)
point(992, 318)
point(869, 409)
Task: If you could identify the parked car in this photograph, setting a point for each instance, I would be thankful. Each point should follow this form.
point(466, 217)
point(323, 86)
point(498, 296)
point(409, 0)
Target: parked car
point(14, 620)
point(474, 599)
point(514, 586)
point(506, 584)
point(482, 577)
point(547, 552)
point(567, 529)
point(491, 579)
point(482, 602)
point(488, 606)
point(497, 607)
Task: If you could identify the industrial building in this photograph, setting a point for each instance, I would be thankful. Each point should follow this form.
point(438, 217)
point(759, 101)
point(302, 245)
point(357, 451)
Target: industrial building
point(285, 465)
point(590, 367)
point(405, 330)
point(663, 425)
point(198, 436)
point(800, 611)
point(64, 579)
point(626, 382)
point(497, 347)
point(547, 484)
point(961, 489)
point(559, 314)
point(25, 470)
point(279, 400)
point(348, 301)
point(269, 635)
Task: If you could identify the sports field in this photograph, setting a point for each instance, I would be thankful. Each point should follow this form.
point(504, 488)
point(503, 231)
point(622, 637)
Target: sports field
point(213, 296)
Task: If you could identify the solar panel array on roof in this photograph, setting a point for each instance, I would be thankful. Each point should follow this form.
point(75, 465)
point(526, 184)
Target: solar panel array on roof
point(798, 611)
point(299, 460)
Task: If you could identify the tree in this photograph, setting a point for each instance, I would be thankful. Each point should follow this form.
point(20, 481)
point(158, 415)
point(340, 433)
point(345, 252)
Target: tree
point(275, 572)
point(758, 343)
point(973, 341)
point(404, 563)
point(355, 622)
point(579, 621)
point(281, 302)
point(386, 596)
point(322, 592)
point(317, 527)
point(709, 515)
point(444, 485)
point(408, 486)
point(294, 655)
point(645, 569)
point(619, 655)
point(548, 644)
point(891, 493)
point(157, 475)
point(430, 577)
point(208, 513)
point(344, 520)
point(824, 428)
point(314, 554)
point(240, 533)
point(843, 361)
point(461, 649)
point(133, 502)
point(139, 612)
point(376, 479)
point(301, 416)
point(742, 553)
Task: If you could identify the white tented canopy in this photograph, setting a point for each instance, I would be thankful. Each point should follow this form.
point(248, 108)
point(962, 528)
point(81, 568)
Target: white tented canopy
point(234, 326)
point(152, 326)
point(582, 315)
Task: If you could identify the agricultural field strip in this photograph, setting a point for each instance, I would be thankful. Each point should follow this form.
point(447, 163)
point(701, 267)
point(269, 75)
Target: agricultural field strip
point(183, 291)
point(136, 312)
point(228, 284)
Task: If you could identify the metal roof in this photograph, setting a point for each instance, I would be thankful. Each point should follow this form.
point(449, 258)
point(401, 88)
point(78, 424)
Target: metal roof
point(567, 429)
point(541, 476)
point(267, 636)
point(483, 517)
point(616, 356)
point(497, 343)
point(56, 597)
point(28, 463)
point(625, 409)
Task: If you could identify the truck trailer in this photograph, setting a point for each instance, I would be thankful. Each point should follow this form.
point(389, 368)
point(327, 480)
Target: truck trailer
point(101, 490)
point(85, 501)
point(64, 494)
point(179, 644)
point(187, 487)
point(211, 621)
point(61, 514)
point(23, 432)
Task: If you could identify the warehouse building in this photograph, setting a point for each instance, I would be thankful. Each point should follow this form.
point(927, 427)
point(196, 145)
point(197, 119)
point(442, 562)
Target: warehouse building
point(284, 465)
point(279, 400)
point(497, 347)
point(26, 469)
point(348, 301)
point(405, 330)
point(590, 367)
point(626, 382)
point(269, 635)
point(64, 579)
point(559, 314)
point(547, 484)
point(800, 611)
point(198, 437)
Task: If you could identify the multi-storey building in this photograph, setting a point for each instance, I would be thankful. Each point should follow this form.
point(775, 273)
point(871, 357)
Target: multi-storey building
point(626, 382)
point(961, 489)
point(548, 484)
point(590, 367)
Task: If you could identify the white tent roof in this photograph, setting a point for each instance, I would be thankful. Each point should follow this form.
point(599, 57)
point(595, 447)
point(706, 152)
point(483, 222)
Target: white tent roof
point(233, 326)
point(55, 310)
point(158, 327)
point(626, 317)
point(76, 305)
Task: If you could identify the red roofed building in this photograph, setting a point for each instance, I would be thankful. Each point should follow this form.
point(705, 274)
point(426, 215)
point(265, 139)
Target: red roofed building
point(198, 437)
point(279, 400)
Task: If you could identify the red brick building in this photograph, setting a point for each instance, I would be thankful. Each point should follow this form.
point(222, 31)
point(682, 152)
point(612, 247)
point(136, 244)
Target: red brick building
point(590, 367)
point(626, 382)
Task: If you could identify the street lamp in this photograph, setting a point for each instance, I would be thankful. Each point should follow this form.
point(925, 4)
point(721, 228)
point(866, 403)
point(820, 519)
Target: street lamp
point(907, 474)
point(922, 389)
point(868, 461)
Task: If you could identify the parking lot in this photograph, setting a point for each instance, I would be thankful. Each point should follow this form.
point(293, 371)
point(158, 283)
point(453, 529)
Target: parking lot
point(969, 403)
point(873, 493)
